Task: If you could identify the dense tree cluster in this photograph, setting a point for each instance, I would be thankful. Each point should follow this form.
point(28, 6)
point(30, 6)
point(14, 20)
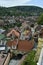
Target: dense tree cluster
point(40, 20)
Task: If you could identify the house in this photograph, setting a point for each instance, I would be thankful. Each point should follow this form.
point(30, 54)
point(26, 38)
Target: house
point(11, 21)
point(25, 33)
point(2, 36)
point(39, 47)
point(23, 45)
point(35, 36)
point(24, 24)
point(41, 33)
point(2, 47)
point(2, 31)
point(40, 60)
point(14, 32)
point(40, 44)
point(38, 28)
point(12, 44)
point(20, 44)
point(1, 22)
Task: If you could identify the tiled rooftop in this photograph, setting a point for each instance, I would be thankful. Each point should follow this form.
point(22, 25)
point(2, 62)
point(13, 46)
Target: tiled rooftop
point(23, 45)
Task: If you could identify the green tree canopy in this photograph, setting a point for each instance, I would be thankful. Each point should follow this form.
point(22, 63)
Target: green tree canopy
point(40, 19)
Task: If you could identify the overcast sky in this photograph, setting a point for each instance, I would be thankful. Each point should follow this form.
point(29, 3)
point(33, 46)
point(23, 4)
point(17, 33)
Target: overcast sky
point(9, 3)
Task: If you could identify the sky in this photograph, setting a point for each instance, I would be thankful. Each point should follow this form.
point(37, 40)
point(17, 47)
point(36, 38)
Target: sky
point(10, 3)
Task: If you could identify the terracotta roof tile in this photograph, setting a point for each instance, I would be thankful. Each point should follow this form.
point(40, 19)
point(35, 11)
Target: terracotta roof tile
point(10, 43)
point(25, 45)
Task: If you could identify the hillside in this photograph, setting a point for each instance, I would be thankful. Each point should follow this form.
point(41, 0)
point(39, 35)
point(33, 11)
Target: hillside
point(21, 10)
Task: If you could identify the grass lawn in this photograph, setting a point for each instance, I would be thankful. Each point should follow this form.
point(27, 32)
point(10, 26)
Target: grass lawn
point(29, 60)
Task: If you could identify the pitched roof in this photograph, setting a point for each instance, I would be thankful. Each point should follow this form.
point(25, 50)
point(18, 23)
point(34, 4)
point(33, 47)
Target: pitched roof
point(25, 45)
point(13, 32)
point(10, 43)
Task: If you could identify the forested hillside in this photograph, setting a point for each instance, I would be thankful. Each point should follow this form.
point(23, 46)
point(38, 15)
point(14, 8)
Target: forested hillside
point(21, 10)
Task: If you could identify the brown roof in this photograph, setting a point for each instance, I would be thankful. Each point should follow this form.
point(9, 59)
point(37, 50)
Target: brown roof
point(13, 32)
point(25, 45)
point(10, 43)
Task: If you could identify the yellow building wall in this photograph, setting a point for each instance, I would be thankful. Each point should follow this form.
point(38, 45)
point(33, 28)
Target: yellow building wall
point(39, 47)
point(40, 42)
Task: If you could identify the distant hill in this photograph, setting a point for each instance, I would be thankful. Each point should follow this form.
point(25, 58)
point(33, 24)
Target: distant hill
point(21, 10)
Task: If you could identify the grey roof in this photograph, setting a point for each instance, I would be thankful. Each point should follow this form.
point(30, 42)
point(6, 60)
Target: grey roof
point(1, 31)
point(2, 36)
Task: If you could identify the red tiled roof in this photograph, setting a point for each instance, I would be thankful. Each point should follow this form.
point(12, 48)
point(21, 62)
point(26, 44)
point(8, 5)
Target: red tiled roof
point(25, 45)
point(10, 43)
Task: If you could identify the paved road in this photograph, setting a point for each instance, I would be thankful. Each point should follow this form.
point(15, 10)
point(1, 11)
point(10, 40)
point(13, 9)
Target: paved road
point(14, 62)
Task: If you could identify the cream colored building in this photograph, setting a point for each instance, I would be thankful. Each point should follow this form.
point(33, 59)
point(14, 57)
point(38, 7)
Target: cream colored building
point(39, 47)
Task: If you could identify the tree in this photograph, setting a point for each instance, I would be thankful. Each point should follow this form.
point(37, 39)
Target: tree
point(40, 19)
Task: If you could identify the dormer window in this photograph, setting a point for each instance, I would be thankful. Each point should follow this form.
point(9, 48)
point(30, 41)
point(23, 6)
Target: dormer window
point(13, 47)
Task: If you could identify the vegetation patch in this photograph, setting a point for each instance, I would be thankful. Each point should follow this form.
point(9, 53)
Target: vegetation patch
point(29, 60)
point(40, 19)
